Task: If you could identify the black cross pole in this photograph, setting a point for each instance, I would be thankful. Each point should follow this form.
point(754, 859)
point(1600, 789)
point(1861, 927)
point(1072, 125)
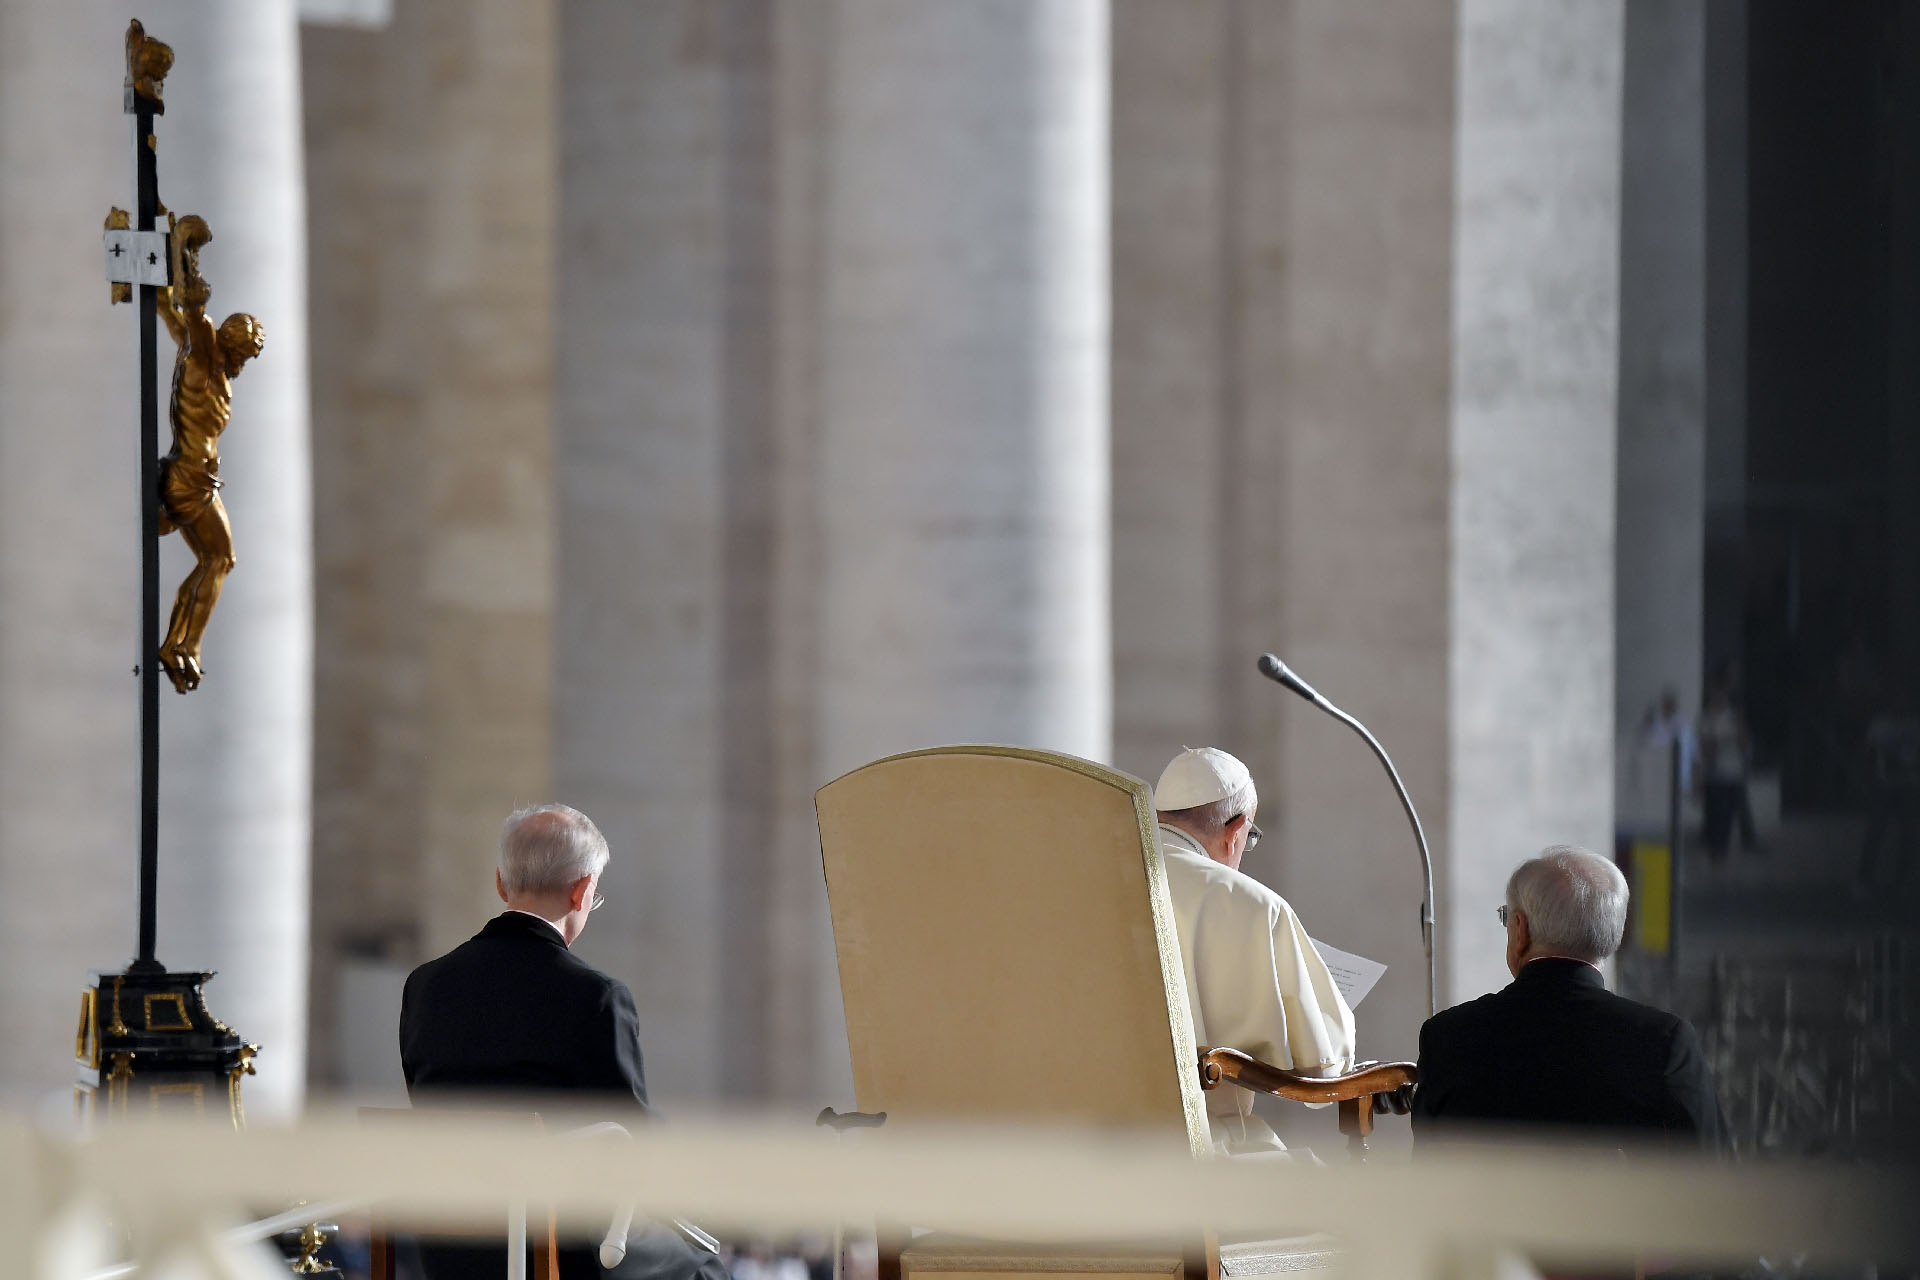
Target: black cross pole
point(147, 206)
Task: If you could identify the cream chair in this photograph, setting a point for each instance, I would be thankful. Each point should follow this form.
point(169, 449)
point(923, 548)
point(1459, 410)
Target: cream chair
point(1001, 919)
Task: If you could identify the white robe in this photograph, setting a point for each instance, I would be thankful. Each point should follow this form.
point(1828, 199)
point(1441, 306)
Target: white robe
point(1254, 983)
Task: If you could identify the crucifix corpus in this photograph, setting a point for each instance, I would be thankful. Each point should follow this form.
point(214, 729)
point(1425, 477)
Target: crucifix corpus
point(206, 361)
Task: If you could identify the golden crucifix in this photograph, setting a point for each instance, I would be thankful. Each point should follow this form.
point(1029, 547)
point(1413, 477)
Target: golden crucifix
point(204, 367)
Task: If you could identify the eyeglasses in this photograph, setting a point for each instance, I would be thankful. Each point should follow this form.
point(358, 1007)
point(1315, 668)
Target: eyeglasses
point(598, 902)
point(1501, 912)
point(1253, 835)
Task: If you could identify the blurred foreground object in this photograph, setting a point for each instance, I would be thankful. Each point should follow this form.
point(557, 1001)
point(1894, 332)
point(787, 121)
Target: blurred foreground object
point(1451, 1214)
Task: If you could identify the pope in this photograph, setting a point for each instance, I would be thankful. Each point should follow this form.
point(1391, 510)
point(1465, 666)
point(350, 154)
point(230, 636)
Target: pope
point(1254, 980)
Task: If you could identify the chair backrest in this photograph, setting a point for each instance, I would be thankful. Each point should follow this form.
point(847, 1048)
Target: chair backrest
point(1006, 943)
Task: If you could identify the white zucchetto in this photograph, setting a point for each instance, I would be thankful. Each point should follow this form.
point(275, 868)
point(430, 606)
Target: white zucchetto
point(1198, 775)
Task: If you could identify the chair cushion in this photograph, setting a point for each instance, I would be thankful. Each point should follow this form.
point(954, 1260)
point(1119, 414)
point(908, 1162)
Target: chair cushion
point(955, 1257)
point(942, 1256)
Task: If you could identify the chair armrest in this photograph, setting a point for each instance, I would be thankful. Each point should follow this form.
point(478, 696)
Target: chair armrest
point(1220, 1066)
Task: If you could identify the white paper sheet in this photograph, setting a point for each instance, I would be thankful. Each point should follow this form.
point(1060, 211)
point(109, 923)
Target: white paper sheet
point(1353, 975)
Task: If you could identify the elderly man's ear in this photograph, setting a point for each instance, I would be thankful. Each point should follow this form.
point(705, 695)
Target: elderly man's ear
point(1231, 848)
point(1519, 940)
point(581, 894)
point(500, 886)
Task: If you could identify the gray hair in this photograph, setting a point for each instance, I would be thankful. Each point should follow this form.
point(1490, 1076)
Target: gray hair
point(1205, 819)
point(1575, 902)
point(544, 847)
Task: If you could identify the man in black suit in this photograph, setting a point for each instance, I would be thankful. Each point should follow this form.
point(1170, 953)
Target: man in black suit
point(512, 1011)
point(1555, 1050)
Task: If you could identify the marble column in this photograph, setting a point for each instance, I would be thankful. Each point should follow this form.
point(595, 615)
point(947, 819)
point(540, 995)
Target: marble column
point(69, 550)
point(1660, 562)
point(1282, 222)
point(688, 404)
point(490, 209)
point(234, 815)
point(433, 159)
point(367, 167)
point(962, 464)
point(641, 424)
point(1363, 246)
point(1535, 363)
point(1179, 95)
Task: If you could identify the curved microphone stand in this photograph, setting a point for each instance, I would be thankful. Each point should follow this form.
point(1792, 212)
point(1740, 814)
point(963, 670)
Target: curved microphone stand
point(1274, 669)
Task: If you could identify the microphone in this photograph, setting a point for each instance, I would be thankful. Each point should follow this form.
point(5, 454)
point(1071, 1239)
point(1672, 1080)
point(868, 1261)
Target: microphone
point(1280, 673)
point(1274, 669)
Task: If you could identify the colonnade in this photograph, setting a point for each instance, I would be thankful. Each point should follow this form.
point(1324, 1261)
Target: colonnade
point(712, 396)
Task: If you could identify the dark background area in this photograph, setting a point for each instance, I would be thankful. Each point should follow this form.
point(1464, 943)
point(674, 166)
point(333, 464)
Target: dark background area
point(1827, 638)
point(1799, 960)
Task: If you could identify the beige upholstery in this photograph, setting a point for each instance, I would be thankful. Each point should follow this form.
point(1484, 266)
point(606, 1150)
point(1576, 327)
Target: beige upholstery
point(939, 1258)
point(1002, 922)
point(950, 1258)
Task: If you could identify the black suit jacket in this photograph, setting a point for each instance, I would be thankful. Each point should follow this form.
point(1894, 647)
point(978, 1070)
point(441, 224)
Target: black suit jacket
point(512, 1010)
point(1556, 1050)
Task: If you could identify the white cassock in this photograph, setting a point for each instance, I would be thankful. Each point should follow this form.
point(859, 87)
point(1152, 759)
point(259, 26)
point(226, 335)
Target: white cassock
point(1254, 983)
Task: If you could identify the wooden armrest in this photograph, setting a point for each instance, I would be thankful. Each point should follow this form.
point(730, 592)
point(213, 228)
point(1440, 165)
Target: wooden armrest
point(1218, 1066)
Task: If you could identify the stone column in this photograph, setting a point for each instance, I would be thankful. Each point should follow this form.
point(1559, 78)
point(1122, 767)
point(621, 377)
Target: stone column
point(490, 209)
point(641, 436)
point(1660, 560)
point(1361, 241)
point(1283, 217)
point(434, 159)
point(1179, 164)
point(234, 817)
point(1535, 361)
point(69, 555)
point(365, 124)
point(962, 465)
point(688, 403)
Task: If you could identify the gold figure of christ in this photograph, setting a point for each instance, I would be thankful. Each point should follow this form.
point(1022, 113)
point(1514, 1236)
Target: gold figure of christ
point(204, 368)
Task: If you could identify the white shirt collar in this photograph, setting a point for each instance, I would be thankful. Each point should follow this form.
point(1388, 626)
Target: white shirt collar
point(542, 919)
point(1170, 834)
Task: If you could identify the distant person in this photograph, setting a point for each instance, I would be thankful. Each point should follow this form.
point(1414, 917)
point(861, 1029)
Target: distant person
point(512, 1011)
point(1724, 761)
point(1666, 726)
point(1254, 980)
point(1554, 1050)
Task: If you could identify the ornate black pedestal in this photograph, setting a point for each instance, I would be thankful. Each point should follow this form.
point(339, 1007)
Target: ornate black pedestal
point(147, 1045)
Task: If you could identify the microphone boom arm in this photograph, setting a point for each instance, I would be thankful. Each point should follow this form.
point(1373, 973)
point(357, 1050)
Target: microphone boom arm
point(1419, 834)
point(1278, 671)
